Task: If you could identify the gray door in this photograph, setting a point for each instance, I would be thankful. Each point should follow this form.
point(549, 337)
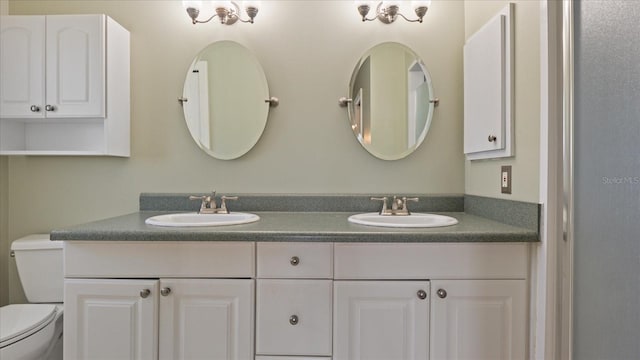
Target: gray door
point(606, 295)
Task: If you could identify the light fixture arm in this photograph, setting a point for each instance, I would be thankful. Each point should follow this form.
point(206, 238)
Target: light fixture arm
point(419, 19)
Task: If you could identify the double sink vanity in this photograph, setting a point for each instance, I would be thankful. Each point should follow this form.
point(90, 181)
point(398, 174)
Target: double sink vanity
point(300, 280)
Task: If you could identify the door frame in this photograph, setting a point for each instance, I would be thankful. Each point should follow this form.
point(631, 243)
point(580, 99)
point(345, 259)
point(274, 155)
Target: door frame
point(552, 260)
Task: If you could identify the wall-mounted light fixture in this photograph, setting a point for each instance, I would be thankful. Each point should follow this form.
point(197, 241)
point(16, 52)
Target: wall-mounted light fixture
point(388, 11)
point(227, 11)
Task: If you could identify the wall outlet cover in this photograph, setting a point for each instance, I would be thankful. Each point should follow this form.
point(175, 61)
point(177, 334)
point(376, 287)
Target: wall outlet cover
point(505, 179)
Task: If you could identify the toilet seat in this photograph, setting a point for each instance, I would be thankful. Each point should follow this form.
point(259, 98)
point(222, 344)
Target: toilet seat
point(19, 321)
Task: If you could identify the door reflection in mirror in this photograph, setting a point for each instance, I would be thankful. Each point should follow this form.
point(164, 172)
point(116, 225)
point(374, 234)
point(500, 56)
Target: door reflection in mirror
point(391, 110)
point(225, 110)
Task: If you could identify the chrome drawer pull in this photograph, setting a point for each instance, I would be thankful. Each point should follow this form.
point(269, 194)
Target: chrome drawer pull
point(295, 261)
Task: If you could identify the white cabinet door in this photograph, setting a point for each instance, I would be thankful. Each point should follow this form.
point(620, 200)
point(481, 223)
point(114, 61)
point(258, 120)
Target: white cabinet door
point(206, 319)
point(488, 89)
point(478, 319)
point(75, 66)
point(22, 66)
point(110, 319)
point(381, 320)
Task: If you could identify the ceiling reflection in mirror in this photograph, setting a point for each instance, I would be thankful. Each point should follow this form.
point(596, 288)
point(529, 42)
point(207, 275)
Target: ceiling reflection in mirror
point(391, 106)
point(224, 100)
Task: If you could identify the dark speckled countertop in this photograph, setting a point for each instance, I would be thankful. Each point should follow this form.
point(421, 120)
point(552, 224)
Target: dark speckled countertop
point(297, 226)
point(321, 218)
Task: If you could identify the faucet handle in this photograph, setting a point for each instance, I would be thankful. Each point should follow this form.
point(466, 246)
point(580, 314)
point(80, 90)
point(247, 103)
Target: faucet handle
point(223, 203)
point(384, 203)
point(404, 203)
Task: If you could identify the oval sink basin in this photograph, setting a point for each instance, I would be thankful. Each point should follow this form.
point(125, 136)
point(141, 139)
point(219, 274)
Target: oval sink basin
point(415, 220)
point(195, 219)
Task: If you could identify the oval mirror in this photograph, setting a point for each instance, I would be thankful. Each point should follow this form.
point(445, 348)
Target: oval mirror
point(224, 100)
point(390, 101)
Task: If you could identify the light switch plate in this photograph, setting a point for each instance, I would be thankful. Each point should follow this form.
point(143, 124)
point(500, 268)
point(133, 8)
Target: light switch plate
point(505, 179)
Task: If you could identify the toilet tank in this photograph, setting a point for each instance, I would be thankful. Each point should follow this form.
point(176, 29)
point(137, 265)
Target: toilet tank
point(39, 263)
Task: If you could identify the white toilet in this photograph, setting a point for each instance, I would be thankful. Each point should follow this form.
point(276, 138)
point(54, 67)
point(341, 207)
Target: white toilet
point(34, 330)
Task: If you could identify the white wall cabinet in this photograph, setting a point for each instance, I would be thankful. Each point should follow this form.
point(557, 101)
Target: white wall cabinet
point(478, 319)
point(381, 320)
point(64, 85)
point(488, 89)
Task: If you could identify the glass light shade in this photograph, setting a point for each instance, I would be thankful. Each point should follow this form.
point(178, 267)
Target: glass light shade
point(195, 4)
point(421, 3)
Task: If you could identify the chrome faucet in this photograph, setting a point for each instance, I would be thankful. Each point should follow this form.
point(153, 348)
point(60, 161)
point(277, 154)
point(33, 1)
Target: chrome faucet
point(398, 205)
point(209, 205)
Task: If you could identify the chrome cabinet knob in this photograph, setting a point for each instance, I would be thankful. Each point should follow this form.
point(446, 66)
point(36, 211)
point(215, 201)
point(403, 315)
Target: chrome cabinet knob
point(34, 108)
point(492, 138)
point(442, 293)
point(165, 291)
point(293, 320)
point(294, 260)
point(422, 294)
point(144, 293)
point(50, 108)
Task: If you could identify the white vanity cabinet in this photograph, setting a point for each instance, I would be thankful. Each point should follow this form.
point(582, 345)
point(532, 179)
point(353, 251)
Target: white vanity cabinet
point(64, 85)
point(478, 319)
point(105, 318)
point(206, 319)
point(381, 320)
point(475, 301)
point(117, 313)
point(294, 299)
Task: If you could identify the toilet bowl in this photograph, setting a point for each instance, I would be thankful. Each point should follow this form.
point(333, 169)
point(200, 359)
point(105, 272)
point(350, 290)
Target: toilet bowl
point(30, 331)
point(34, 331)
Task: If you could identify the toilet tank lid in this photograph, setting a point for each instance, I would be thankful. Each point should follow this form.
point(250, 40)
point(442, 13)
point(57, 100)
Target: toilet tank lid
point(35, 242)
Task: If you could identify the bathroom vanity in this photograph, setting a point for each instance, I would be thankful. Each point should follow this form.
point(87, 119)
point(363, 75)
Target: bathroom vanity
point(301, 284)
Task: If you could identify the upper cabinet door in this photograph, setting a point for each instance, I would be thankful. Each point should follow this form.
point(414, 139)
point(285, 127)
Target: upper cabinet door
point(75, 66)
point(488, 89)
point(22, 66)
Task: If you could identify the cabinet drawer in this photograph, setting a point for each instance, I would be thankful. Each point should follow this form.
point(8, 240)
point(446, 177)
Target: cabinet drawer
point(293, 317)
point(295, 260)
